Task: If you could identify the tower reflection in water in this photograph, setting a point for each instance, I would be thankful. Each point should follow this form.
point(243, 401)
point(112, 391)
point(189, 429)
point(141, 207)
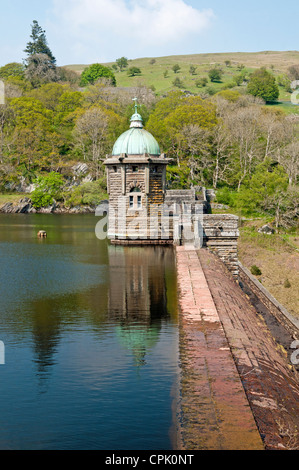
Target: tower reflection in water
point(141, 296)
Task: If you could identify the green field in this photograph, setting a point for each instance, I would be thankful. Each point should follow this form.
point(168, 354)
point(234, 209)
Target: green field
point(153, 70)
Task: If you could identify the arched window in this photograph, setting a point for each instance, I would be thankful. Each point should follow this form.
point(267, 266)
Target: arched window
point(135, 199)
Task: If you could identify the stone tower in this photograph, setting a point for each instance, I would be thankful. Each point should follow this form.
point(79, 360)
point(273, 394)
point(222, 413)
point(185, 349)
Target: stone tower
point(136, 182)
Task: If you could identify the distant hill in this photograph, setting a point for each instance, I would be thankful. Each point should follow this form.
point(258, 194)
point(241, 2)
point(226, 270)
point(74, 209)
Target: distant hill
point(153, 69)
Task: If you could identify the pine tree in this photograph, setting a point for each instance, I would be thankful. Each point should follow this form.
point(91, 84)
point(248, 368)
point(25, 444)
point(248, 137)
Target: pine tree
point(39, 44)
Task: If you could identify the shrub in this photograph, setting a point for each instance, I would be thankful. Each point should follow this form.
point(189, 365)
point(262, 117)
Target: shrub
point(226, 196)
point(238, 79)
point(211, 91)
point(90, 194)
point(229, 95)
point(201, 82)
point(228, 85)
point(178, 177)
point(287, 284)
point(48, 188)
point(255, 270)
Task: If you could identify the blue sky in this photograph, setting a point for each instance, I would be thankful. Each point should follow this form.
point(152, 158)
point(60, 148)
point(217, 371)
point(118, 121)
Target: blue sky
point(86, 31)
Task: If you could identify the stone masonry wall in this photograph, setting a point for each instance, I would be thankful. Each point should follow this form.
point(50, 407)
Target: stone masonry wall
point(221, 237)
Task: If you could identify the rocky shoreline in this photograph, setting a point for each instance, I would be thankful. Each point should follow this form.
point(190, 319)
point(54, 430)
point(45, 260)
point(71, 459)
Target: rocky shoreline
point(24, 206)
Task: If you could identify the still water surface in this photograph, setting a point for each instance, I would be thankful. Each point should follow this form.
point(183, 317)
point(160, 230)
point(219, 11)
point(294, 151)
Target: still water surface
point(91, 338)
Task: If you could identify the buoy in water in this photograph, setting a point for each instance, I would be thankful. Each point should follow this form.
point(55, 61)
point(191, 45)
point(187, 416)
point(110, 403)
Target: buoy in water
point(42, 234)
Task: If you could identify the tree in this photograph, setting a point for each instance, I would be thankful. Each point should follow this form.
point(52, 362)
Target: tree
point(38, 44)
point(192, 70)
point(40, 70)
point(243, 128)
point(69, 104)
point(289, 216)
point(285, 82)
point(13, 69)
point(273, 133)
point(66, 75)
point(30, 112)
point(175, 112)
point(178, 82)
point(6, 116)
point(194, 142)
point(40, 63)
point(34, 140)
point(263, 84)
point(134, 71)
point(176, 68)
point(221, 149)
point(94, 72)
point(49, 94)
point(122, 63)
point(294, 72)
point(263, 188)
point(91, 134)
point(215, 74)
point(289, 159)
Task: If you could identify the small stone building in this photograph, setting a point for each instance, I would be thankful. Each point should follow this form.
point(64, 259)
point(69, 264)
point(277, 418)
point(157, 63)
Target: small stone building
point(136, 182)
point(143, 211)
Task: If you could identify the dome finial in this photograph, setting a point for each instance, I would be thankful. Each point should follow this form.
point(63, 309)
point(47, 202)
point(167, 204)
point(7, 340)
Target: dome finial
point(136, 105)
point(136, 119)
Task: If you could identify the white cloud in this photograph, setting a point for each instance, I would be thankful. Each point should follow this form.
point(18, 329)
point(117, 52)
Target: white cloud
point(138, 25)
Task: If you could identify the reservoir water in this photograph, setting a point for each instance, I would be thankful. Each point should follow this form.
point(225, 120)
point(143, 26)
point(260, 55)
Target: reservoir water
point(91, 338)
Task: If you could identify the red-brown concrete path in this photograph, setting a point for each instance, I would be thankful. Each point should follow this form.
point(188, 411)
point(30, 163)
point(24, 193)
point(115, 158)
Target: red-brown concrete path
point(237, 388)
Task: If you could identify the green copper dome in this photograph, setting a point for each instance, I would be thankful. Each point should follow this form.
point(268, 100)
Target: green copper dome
point(136, 141)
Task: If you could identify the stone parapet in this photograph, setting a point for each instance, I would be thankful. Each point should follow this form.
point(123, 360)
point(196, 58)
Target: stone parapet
point(274, 307)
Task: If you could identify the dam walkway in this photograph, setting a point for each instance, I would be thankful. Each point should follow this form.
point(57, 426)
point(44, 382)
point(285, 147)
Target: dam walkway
point(238, 388)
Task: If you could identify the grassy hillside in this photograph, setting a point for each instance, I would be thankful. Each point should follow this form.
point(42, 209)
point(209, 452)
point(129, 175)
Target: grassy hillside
point(153, 70)
point(275, 255)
